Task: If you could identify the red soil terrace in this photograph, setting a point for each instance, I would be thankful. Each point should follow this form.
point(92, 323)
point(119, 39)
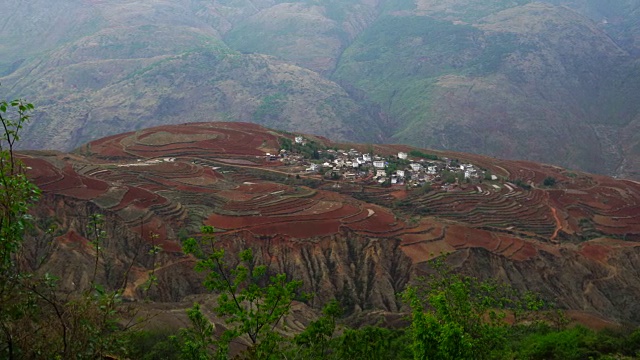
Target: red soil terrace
point(132, 171)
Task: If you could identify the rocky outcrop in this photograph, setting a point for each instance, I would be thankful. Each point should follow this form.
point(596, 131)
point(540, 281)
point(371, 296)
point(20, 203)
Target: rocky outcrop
point(571, 280)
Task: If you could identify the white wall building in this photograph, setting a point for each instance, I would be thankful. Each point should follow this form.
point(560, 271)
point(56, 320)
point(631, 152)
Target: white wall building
point(379, 164)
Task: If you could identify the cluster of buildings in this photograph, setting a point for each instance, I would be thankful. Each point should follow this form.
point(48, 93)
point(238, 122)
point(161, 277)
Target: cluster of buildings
point(403, 169)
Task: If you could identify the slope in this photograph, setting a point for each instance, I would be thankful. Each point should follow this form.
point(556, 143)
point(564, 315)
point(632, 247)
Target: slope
point(576, 242)
point(149, 64)
point(530, 82)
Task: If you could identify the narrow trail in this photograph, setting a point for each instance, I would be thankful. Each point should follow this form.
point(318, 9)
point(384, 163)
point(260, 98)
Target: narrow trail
point(554, 212)
point(130, 290)
point(558, 223)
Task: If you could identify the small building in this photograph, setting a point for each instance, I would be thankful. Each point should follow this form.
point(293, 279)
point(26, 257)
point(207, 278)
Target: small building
point(313, 168)
point(400, 173)
point(381, 173)
point(366, 157)
point(415, 166)
point(402, 155)
point(494, 178)
point(299, 139)
point(379, 164)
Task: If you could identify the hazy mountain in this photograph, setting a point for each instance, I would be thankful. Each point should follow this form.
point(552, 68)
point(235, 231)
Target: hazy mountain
point(552, 81)
point(159, 63)
point(533, 81)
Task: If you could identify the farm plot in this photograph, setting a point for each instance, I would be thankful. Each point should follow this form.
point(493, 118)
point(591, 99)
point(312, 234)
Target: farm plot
point(290, 206)
point(197, 139)
point(140, 198)
point(110, 147)
point(41, 172)
point(379, 221)
point(65, 181)
point(522, 210)
point(299, 229)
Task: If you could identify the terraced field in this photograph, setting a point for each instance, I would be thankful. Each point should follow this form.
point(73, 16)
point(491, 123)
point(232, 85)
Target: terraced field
point(182, 159)
point(161, 180)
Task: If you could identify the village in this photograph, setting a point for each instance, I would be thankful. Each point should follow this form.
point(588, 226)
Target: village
point(411, 170)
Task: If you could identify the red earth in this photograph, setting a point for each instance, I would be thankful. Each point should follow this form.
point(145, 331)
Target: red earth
point(582, 216)
point(578, 204)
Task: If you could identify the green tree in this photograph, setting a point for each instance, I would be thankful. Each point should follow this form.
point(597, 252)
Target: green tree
point(459, 317)
point(17, 195)
point(252, 302)
point(197, 342)
point(372, 342)
point(314, 340)
point(549, 181)
point(37, 321)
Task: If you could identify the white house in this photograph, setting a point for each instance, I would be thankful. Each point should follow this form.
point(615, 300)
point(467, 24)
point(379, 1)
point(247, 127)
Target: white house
point(381, 173)
point(379, 164)
point(313, 167)
point(400, 173)
point(366, 157)
point(299, 139)
point(415, 166)
point(494, 178)
point(402, 155)
point(432, 170)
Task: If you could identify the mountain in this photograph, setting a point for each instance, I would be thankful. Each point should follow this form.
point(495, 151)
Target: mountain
point(528, 82)
point(163, 67)
point(572, 236)
point(552, 81)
